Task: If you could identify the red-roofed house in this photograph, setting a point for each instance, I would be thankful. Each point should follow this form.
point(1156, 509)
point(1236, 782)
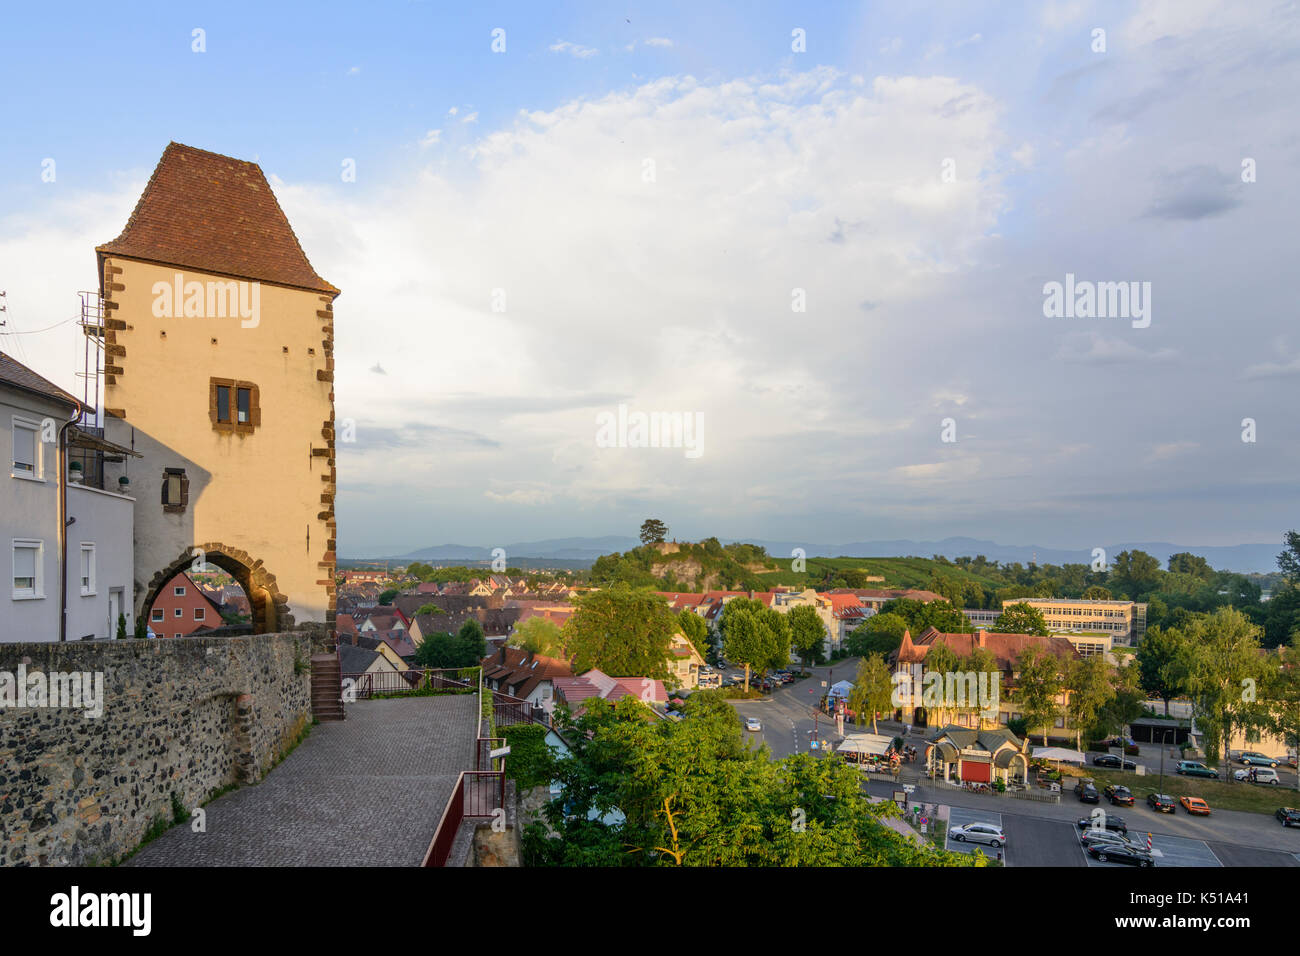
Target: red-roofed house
point(573, 691)
point(932, 693)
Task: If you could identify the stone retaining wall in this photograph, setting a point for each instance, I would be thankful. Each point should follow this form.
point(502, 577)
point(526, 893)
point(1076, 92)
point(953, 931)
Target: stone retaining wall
point(185, 716)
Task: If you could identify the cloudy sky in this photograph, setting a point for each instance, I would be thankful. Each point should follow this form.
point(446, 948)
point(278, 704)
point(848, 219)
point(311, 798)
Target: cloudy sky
point(629, 205)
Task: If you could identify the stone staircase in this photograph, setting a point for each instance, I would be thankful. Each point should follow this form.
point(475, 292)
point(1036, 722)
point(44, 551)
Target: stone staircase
point(326, 687)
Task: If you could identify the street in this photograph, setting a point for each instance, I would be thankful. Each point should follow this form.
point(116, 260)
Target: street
point(1038, 834)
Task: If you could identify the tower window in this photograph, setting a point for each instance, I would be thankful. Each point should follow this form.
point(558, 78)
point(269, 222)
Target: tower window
point(234, 406)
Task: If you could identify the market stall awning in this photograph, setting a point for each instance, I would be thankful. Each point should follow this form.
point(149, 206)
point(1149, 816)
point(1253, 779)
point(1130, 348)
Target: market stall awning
point(876, 744)
point(1059, 753)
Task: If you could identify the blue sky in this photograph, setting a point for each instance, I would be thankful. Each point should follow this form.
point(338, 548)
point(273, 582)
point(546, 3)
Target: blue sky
point(524, 171)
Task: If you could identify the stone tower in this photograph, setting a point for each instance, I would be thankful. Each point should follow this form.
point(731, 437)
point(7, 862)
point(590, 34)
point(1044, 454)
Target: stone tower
point(219, 369)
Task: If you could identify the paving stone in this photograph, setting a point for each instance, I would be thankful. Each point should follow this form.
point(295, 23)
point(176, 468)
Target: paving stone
point(365, 791)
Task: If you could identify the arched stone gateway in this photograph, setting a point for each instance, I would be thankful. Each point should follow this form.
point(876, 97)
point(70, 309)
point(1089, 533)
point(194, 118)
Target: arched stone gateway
point(270, 607)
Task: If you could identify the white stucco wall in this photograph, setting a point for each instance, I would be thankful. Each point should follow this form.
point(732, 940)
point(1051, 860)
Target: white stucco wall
point(104, 519)
point(29, 510)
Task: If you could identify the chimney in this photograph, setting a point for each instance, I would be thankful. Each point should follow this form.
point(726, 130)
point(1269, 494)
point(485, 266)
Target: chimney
point(981, 637)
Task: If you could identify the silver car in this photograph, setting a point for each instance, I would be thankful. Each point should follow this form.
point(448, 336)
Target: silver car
point(978, 833)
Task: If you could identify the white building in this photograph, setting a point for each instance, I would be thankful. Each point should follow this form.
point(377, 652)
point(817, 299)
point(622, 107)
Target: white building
point(57, 586)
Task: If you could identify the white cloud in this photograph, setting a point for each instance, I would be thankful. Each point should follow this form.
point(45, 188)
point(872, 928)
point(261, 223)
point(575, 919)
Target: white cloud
point(658, 41)
point(431, 137)
point(573, 49)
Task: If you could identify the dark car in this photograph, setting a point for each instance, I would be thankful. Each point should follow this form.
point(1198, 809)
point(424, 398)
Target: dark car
point(1104, 820)
point(1131, 853)
point(1194, 768)
point(1110, 760)
point(1087, 793)
point(1161, 802)
point(1288, 816)
point(1119, 795)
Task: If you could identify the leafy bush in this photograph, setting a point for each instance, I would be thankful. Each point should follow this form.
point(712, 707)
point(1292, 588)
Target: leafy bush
point(530, 762)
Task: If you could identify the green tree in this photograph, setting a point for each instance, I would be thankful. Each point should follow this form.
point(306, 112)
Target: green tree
point(879, 634)
point(1127, 702)
point(1089, 684)
point(121, 627)
point(1021, 619)
point(754, 635)
point(653, 531)
point(1097, 593)
point(1136, 573)
point(1162, 660)
point(940, 662)
point(873, 690)
point(429, 609)
point(1184, 562)
point(1224, 676)
point(539, 635)
point(1288, 562)
point(623, 632)
point(807, 634)
point(470, 644)
point(690, 793)
point(1282, 691)
point(386, 597)
point(1038, 685)
point(695, 630)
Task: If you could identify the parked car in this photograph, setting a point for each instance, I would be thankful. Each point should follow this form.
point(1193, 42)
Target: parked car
point(1195, 805)
point(1194, 768)
point(1256, 759)
point(1087, 793)
point(1119, 795)
point(1258, 775)
point(1108, 821)
point(1097, 835)
point(1110, 760)
point(1161, 802)
point(753, 723)
point(1130, 853)
point(1288, 816)
point(979, 833)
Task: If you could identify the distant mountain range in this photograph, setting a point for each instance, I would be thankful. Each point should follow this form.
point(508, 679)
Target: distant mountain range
point(1243, 558)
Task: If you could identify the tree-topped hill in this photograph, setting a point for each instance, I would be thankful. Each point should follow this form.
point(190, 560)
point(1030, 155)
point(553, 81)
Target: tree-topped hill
point(686, 566)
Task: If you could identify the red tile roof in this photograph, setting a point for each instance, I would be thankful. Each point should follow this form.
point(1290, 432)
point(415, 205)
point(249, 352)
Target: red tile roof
point(215, 214)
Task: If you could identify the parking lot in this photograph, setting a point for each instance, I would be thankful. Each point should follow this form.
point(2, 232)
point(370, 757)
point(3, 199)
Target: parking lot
point(1166, 850)
point(960, 817)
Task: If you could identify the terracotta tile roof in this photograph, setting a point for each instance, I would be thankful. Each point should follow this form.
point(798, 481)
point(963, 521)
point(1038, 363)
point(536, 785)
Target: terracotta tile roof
point(215, 214)
point(1006, 648)
point(18, 375)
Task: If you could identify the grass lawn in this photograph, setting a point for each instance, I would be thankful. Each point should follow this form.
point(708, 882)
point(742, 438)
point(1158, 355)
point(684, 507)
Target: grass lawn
point(1219, 794)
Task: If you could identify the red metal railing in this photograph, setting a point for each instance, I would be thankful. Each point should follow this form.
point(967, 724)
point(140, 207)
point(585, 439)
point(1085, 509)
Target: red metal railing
point(508, 711)
point(478, 794)
point(382, 683)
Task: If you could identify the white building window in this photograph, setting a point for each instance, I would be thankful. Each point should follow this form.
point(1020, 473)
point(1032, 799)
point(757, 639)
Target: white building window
point(29, 571)
point(87, 568)
point(157, 614)
point(179, 590)
point(180, 612)
point(27, 449)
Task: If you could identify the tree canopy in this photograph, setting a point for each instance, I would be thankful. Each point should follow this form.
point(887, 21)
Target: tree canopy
point(643, 792)
point(621, 631)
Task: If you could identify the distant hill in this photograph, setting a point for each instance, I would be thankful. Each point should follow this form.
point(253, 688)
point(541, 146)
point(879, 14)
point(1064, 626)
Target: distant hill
point(1245, 558)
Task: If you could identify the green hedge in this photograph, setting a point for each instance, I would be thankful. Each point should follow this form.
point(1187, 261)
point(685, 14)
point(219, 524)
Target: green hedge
point(530, 762)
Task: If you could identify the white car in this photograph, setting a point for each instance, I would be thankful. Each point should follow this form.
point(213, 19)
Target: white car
point(1258, 774)
point(978, 833)
point(753, 723)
